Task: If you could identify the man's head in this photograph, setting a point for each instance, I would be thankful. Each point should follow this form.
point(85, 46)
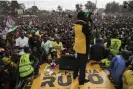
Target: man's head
point(22, 35)
point(99, 41)
point(46, 38)
point(82, 15)
point(33, 35)
point(110, 56)
point(57, 39)
point(125, 54)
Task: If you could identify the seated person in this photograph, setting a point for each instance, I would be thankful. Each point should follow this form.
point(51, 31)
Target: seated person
point(6, 71)
point(35, 45)
point(22, 42)
point(105, 61)
point(117, 68)
point(53, 58)
point(97, 51)
point(47, 47)
point(128, 79)
point(8, 61)
point(28, 65)
point(57, 45)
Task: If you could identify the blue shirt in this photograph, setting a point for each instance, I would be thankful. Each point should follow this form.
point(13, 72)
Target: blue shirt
point(117, 68)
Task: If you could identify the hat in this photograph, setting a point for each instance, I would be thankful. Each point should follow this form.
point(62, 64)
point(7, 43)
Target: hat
point(82, 14)
point(32, 31)
point(86, 12)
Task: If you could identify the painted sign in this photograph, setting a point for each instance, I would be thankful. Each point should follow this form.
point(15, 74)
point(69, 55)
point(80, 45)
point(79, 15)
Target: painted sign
point(64, 80)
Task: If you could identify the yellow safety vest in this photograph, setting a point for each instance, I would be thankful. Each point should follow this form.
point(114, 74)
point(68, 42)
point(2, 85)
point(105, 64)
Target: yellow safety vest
point(115, 46)
point(80, 40)
point(25, 66)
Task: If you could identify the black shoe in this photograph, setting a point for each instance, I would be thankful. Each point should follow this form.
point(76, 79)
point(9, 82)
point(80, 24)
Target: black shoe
point(82, 82)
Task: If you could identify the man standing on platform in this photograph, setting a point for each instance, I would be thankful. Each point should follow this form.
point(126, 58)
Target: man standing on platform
point(81, 46)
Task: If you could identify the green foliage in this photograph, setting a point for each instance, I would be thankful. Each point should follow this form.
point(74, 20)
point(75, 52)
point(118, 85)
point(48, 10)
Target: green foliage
point(90, 6)
point(112, 7)
point(130, 8)
point(4, 6)
point(78, 7)
point(15, 5)
point(59, 8)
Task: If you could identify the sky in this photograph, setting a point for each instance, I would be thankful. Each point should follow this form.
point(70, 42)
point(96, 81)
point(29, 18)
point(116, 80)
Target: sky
point(65, 4)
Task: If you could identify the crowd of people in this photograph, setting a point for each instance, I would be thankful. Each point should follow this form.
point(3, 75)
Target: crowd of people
point(52, 36)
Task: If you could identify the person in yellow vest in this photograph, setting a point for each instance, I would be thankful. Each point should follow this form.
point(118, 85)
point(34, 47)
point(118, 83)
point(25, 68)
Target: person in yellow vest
point(7, 61)
point(81, 46)
point(8, 69)
point(28, 65)
point(128, 79)
point(114, 44)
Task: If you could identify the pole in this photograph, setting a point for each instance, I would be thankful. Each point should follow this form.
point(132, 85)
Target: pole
point(34, 3)
point(96, 4)
point(94, 27)
point(129, 4)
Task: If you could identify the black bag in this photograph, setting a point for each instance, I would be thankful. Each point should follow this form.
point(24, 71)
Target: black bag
point(67, 63)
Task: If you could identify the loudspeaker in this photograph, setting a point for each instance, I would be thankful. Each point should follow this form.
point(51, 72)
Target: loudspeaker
point(67, 62)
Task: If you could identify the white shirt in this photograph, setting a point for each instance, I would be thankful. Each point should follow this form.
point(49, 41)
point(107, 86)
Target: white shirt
point(22, 42)
point(47, 45)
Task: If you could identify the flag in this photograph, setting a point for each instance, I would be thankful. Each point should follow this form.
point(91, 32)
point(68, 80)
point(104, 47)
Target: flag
point(12, 28)
point(10, 25)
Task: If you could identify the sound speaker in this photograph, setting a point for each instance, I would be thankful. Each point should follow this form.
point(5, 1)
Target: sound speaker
point(67, 62)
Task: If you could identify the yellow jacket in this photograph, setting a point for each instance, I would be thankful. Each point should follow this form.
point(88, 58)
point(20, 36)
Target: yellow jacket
point(128, 79)
point(80, 39)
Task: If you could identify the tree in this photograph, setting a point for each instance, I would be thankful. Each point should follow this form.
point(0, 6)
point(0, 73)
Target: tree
point(78, 7)
point(90, 6)
point(59, 8)
point(14, 5)
point(4, 7)
point(112, 7)
point(130, 6)
point(22, 6)
point(127, 6)
point(34, 8)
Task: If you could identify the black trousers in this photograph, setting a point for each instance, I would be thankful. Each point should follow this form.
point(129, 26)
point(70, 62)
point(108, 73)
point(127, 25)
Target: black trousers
point(80, 67)
point(36, 67)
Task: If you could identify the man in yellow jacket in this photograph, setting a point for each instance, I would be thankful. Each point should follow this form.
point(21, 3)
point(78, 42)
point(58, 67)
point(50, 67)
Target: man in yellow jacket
point(128, 79)
point(81, 46)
